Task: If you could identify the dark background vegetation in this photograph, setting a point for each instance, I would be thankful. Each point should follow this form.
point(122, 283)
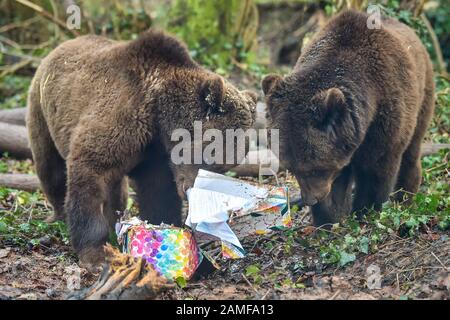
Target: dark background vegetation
point(242, 40)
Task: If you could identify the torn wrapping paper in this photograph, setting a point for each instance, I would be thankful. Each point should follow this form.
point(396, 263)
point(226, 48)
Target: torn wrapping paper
point(171, 251)
point(220, 208)
point(225, 208)
point(271, 213)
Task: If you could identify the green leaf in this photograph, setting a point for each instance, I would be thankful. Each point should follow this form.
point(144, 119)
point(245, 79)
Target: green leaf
point(364, 245)
point(252, 270)
point(181, 282)
point(346, 258)
point(3, 227)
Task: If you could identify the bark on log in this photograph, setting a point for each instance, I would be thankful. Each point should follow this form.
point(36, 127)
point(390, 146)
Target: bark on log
point(13, 116)
point(431, 148)
point(26, 182)
point(14, 140)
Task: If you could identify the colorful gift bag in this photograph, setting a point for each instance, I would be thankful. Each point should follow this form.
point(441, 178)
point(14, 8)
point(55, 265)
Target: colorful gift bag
point(171, 251)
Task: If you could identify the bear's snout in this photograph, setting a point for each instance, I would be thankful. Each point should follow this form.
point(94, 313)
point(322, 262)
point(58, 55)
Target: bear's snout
point(314, 190)
point(312, 198)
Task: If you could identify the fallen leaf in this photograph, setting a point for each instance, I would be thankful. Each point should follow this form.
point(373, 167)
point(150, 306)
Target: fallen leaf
point(4, 252)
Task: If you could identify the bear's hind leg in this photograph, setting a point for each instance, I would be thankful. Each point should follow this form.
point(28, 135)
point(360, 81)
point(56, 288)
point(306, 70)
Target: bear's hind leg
point(375, 184)
point(50, 166)
point(156, 191)
point(410, 174)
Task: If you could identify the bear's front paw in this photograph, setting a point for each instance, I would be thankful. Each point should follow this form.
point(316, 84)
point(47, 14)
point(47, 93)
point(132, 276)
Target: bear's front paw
point(54, 218)
point(92, 258)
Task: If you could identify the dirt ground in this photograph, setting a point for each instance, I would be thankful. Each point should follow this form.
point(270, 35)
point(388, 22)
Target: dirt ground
point(408, 268)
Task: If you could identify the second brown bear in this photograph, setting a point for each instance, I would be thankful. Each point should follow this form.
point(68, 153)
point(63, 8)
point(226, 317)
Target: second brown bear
point(354, 110)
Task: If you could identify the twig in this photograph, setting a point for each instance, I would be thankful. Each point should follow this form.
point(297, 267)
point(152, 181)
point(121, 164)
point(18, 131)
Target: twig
point(19, 24)
point(249, 283)
point(335, 295)
point(13, 68)
point(10, 42)
point(440, 262)
point(398, 281)
point(23, 56)
point(265, 295)
point(47, 15)
point(436, 45)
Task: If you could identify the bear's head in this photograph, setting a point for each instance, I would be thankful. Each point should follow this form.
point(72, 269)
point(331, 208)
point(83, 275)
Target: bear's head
point(198, 111)
point(319, 130)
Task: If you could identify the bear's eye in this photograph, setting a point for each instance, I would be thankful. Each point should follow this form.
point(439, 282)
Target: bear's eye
point(315, 173)
point(318, 173)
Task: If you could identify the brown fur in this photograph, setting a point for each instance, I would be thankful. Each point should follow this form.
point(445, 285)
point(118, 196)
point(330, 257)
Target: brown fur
point(101, 110)
point(354, 109)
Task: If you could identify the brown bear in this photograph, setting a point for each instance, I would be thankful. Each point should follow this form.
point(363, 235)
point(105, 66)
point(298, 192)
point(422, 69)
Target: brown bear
point(354, 109)
point(101, 111)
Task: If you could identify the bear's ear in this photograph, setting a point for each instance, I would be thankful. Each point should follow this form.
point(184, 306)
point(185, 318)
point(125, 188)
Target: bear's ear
point(212, 93)
point(269, 82)
point(335, 98)
point(333, 106)
point(252, 95)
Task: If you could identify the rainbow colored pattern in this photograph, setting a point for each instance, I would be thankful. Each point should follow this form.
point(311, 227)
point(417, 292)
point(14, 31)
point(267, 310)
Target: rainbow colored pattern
point(171, 251)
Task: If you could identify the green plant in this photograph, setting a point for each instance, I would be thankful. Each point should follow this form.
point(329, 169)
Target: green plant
point(254, 272)
point(23, 224)
point(440, 126)
point(219, 34)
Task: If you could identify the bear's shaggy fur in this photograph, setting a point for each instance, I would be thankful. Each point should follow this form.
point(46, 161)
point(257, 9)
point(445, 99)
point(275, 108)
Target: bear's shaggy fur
point(355, 108)
point(101, 111)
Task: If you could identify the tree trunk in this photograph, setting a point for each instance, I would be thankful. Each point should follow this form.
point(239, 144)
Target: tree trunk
point(14, 140)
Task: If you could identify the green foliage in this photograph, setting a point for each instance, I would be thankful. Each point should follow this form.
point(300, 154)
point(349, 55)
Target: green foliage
point(440, 126)
point(210, 31)
point(438, 15)
point(428, 210)
point(8, 165)
point(437, 11)
point(254, 272)
point(181, 282)
point(393, 9)
point(13, 91)
point(440, 24)
point(24, 223)
point(120, 19)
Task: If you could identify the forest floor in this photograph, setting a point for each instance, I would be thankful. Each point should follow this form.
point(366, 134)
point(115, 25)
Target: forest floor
point(302, 262)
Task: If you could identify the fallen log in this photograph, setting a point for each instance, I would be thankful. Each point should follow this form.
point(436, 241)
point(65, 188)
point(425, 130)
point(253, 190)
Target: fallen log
point(432, 148)
point(14, 140)
point(26, 182)
point(13, 116)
